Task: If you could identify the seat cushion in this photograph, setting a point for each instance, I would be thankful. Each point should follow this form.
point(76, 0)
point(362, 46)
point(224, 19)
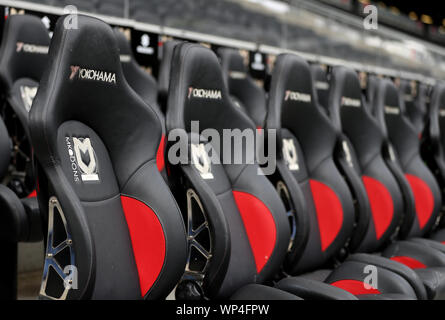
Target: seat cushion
point(434, 281)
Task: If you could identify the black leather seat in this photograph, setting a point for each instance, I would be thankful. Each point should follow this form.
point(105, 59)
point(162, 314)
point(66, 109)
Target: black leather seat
point(310, 161)
point(237, 223)
point(23, 57)
point(145, 86)
point(246, 93)
point(321, 83)
point(164, 73)
point(414, 101)
point(432, 147)
point(110, 215)
point(393, 208)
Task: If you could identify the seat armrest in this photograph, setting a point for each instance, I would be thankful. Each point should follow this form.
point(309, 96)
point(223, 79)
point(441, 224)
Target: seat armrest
point(313, 290)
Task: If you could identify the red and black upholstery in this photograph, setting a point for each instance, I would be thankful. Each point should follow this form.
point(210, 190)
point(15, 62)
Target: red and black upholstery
point(243, 89)
point(404, 137)
point(23, 57)
point(144, 85)
point(314, 165)
point(433, 144)
point(109, 212)
point(388, 201)
point(242, 213)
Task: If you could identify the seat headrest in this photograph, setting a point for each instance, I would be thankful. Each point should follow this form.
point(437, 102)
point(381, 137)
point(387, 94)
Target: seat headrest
point(84, 82)
point(242, 87)
point(232, 63)
point(165, 68)
point(124, 46)
point(198, 92)
point(291, 88)
point(387, 102)
point(437, 104)
point(24, 48)
point(141, 81)
point(345, 91)
point(321, 84)
point(406, 92)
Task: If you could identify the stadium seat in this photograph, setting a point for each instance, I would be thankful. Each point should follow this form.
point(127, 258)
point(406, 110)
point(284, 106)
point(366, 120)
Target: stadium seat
point(414, 104)
point(309, 141)
point(237, 222)
point(321, 84)
point(392, 216)
point(145, 86)
point(164, 73)
point(247, 94)
point(23, 57)
point(112, 223)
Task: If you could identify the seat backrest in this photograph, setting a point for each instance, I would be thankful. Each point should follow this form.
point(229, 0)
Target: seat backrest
point(241, 198)
point(391, 114)
point(23, 57)
point(144, 85)
point(349, 112)
point(303, 127)
point(321, 84)
point(110, 214)
point(242, 87)
point(5, 149)
point(164, 72)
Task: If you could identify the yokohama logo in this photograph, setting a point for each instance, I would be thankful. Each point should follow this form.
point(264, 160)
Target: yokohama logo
point(31, 48)
point(349, 102)
point(204, 93)
point(91, 74)
point(297, 96)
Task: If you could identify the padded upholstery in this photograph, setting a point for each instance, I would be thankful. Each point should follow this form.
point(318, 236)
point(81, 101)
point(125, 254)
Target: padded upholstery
point(5, 149)
point(349, 114)
point(392, 117)
point(95, 142)
point(251, 98)
point(164, 72)
point(414, 104)
point(293, 112)
point(23, 57)
point(144, 85)
point(243, 201)
point(321, 84)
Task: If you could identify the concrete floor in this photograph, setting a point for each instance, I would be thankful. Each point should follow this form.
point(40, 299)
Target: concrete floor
point(30, 263)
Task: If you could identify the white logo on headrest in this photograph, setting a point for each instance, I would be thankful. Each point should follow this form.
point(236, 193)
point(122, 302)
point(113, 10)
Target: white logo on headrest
point(290, 154)
point(204, 93)
point(350, 102)
point(91, 74)
point(442, 112)
point(297, 96)
point(201, 161)
point(392, 110)
point(28, 94)
point(31, 48)
point(85, 166)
